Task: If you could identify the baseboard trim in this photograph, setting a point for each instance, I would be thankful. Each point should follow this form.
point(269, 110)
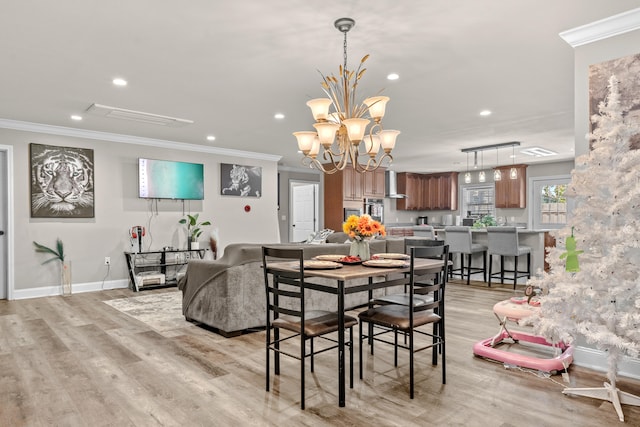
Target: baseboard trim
point(597, 360)
point(50, 291)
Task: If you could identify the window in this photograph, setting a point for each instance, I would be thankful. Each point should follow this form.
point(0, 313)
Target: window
point(550, 205)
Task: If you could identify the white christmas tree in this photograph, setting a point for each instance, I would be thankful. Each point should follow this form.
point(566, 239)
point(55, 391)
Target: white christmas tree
point(600, 300)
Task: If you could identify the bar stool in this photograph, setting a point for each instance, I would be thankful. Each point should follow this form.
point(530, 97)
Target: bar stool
point(503, 241)
point(459, 240)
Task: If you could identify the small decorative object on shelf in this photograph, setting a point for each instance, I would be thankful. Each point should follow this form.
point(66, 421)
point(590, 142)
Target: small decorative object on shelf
point(361, 229)
point(65, 266)
point(194, 230)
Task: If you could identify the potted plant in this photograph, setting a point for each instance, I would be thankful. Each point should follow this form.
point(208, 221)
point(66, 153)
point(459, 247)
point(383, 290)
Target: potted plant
point(65, 266)
point(194, 230)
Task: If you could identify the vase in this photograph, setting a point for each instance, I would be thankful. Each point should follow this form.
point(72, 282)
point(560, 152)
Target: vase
point(65, 278)
point(360, 248)
point(195, 246)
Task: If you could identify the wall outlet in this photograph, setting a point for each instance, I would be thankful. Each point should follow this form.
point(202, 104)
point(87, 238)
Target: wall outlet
point(107, 260)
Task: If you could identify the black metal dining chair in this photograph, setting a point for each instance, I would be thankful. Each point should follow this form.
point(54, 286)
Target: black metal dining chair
point(285, 293)
point(409, 318)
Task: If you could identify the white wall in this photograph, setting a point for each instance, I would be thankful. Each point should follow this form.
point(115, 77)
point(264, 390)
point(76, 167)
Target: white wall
point(117, 208)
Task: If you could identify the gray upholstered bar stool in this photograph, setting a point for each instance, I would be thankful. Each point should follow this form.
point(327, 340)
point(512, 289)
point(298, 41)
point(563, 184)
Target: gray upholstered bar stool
point(503, 241)
point(460, 241)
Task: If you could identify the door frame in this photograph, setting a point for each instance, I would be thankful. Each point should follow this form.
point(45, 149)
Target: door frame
point(297, 183)
point(9, 215)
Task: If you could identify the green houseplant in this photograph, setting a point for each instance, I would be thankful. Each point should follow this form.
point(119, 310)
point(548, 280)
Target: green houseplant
point(194, 228)
point(65, 266)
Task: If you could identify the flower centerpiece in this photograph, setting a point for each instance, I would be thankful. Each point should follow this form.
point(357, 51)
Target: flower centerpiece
point(361, 229)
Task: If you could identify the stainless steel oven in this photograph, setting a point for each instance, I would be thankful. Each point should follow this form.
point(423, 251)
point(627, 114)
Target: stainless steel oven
point(374, 208)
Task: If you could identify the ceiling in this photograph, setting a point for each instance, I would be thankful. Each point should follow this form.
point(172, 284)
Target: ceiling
point(230, 66)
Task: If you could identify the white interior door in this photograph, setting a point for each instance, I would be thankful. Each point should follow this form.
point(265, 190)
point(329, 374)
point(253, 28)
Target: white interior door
point(3, 224)
point(304, 210)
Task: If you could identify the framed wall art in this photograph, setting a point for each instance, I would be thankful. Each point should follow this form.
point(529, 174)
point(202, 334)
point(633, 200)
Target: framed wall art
point(627, 71)
point(240, 180)
point(61, 182)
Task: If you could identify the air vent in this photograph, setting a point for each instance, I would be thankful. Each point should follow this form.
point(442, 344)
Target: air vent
point(137, 116)
point(538, 152)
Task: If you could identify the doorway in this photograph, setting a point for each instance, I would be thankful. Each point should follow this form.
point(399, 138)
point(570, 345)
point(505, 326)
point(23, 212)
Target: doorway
point(6, 222)
point(303, 202)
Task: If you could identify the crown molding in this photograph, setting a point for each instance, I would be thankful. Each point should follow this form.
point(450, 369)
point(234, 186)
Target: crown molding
point(603, 29)
point(129, 139)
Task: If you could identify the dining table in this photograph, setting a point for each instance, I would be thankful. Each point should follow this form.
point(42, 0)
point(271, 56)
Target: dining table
point(344, 277)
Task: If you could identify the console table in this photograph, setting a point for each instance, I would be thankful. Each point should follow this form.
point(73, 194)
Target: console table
point(158, 268)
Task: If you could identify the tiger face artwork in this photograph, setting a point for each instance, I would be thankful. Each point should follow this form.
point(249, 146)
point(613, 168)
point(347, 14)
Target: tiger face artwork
point(61, 182)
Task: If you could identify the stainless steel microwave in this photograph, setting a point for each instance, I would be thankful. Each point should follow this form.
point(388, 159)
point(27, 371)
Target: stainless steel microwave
point(352, 211)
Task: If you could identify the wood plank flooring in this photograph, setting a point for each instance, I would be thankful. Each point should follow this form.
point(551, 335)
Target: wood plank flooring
point(74, 361)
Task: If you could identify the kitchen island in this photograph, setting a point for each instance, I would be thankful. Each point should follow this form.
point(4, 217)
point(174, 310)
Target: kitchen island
point(527, 237)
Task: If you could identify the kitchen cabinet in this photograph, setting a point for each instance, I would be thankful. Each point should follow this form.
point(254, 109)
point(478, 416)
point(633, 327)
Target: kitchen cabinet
point(428, 191)
point(352, 184)
point(374, 184)
point(512, 193)
point(346, 189)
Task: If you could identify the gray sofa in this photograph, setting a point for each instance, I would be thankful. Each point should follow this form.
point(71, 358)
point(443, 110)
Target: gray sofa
point(228, 294)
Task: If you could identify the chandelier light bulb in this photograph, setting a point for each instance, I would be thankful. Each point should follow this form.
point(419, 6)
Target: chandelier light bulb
point(372, 144)
point(355, 129)
point(320, 108)
point(305, 141)
point(326, 133)
point(467, 178)
point(377, 106)
point(388, 139)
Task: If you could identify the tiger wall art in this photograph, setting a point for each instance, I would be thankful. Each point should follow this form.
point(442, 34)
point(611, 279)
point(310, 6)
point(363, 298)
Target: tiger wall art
point(61, 182)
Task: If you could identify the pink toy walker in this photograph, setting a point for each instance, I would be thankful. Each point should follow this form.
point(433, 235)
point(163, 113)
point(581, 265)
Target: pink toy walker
point(515, 309)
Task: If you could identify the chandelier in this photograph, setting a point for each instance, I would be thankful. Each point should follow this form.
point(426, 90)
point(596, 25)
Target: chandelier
point(341, 131)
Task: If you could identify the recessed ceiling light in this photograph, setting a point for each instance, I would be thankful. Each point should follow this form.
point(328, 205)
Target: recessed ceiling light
point(485, 113)
point(393, 76)
point(278, 116)
point(211, 138)
point(76, 117)
point(119, 82)
point(538, 152)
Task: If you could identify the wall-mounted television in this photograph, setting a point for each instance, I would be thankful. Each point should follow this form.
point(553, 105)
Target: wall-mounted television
point(166, 179)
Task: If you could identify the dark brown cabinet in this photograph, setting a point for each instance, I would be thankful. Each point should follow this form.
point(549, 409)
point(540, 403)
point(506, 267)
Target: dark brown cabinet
point(347, 189)
point(512, 193)
point(374, 184)
point(428, 191)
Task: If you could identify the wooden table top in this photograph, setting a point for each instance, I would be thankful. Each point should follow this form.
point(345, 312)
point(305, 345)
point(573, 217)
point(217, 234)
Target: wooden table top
point(350, 272)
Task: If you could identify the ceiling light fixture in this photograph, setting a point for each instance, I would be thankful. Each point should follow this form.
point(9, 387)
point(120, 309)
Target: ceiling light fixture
point(481, 176)
point(278, 116)
point(467, 176)
point(497, 175)
point(393, 76)
point(485, 113)
point(348, 122)
point(76, 117)
point(211, 138)
point(513, 173)
point(137, 116)
point(119, 82)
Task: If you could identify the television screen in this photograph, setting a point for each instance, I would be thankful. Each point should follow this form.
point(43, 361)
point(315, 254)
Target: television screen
point(165, 179)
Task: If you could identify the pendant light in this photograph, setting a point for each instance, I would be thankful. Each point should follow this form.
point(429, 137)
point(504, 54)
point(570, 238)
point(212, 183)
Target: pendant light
point(497, 175)
point(513, 173)
point(467, 176)
point(481, 175)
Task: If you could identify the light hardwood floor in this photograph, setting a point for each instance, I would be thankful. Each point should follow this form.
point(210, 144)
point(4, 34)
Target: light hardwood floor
point(75, 361)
